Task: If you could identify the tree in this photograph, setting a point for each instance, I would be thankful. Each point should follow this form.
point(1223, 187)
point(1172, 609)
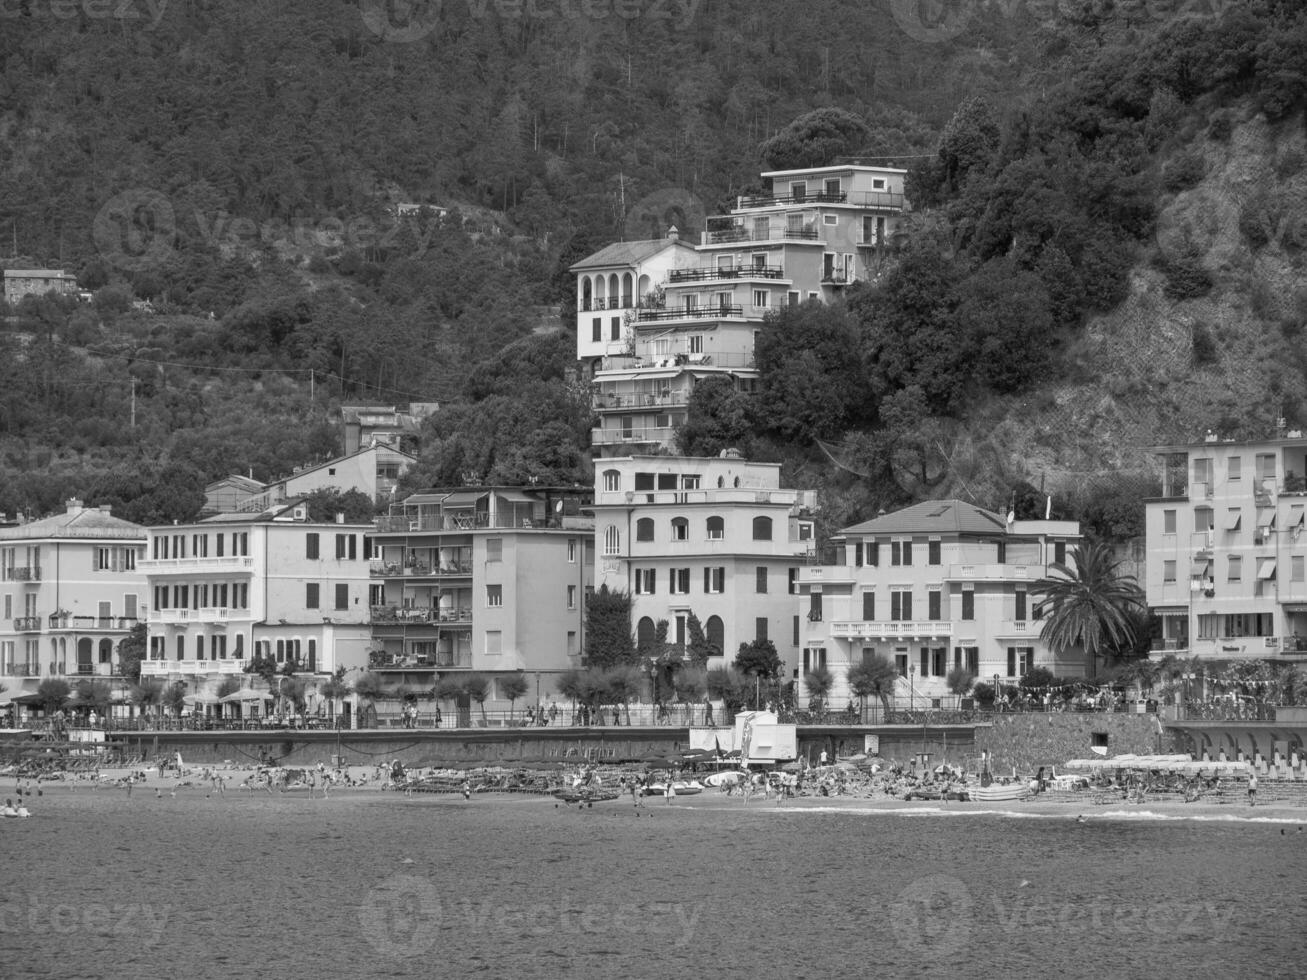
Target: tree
point(450, 688)
point(131, 651)
point(818, 683)
point(968, 142)
point(368, 687)
point(815, 139)
point(608, 637)
point(93, 694)
point(513, 687)
point(174, 697)
point(623, 683)
point(759, 659)
point(718, 416)
point(1088, 604)
point(53, 693)
point(691, 685)
point(873, 676)
point(146, 694)
point(324, 504)
point(960, 681)
point(477, 687)
point(730, 687)
point(698, 650)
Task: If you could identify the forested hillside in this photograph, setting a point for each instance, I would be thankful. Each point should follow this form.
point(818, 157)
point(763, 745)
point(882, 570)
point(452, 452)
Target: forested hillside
point(238, 167)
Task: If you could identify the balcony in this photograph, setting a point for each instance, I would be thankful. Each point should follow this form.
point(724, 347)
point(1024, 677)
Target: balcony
point(161, 668)
point(806, 232)
point(601, 303)
point(87, 624)
point(646, 434)
point(27, 624)
point(891, 630)
point(882, 200)
point(719, 273)
point(439, 660)
point(23, 573)
point(631, 400)
point(822, 574)
point(419, 615)
point(715, 311)
point(20, 670)
point(833, 278)
point(231, 563)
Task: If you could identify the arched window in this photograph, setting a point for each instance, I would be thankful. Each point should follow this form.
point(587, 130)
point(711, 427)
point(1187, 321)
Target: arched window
point(680, 529)
point(644, 529)
point(106, 651)
point(612, 540)
point(716, 633)
point(628, 287)
point(644, 633)
point(612, 480)
point(762, 529)
point(716, 529)
point(587, 293)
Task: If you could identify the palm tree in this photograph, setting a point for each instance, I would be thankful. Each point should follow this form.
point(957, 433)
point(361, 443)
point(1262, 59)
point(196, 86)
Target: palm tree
point(147, 694)
point(691, 684)
point(875, 676)
point(1089, 604)
point(334, 690)
point(513, 687)
point(571, 685)
point(368, 688)
point(623, 684)
point(477, 687)
point(53, 693)
point(818, 683)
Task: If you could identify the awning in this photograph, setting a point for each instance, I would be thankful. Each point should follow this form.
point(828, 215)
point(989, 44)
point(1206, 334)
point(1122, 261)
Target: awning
point(425, 498)
point(1296, 515)
point(464, 498)
point(603, 376)
point(1233, 520)
point(1200, 567)
point(1266, 568)
point(514, 497)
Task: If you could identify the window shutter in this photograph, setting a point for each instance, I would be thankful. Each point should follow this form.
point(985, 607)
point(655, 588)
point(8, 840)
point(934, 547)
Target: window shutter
point(869, 606)
point(907, 552)
point(925, 661)
point(907, 606)
point(873, 553)
point(857, 554)
point(1012, 661)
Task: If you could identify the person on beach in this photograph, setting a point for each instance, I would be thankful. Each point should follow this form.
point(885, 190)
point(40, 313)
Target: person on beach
point(1252, 789)
point(669, 793)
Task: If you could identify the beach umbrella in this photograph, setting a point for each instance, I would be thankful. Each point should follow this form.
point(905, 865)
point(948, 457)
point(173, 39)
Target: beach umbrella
point(247, 694)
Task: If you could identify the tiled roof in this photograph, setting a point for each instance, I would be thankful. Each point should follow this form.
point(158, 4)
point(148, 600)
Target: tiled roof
point(934, 517)
point(624, 253)
point(90, 522)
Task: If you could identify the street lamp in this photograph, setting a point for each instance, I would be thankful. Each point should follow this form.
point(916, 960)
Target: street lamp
point(912, 691)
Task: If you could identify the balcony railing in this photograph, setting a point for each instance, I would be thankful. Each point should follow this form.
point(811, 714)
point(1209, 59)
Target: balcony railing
point(712, 312)
point(867, 630)
point(23, 573)
point(714, 273)
point(648, 434)
point(88, 623)
point(1225, 711)
point(228, 563)
point(746, 233)
point(416, 615)
point(770, 200)
point(27, 624)
point(156, 668)
point(994, 572)
point(440, 660)
point(607, 303)
point(633, 400)
point(21, 670)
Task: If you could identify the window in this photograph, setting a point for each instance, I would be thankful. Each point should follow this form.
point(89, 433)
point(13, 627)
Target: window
point(901, 661)
point(793, 297)
point(873, 553)
point(494, 549)
point(612, 540)
point(1235, 569)
point(103, 559)
point(612, 480)
point(342, 596)
point(644, 529)
point(696, 343)
point(794, 581)
point(1020, 660)
point(571, 597)
point(494, 643)
point(760, 299)
point(1297, 569)
point(714, 580)
point(968, 604)
point(311, 546)
point(933, 604)
point(645, 581)
point(832, 186)
point(129, 558)
point(762, 529)
point(597, 329)
point(760, 579)
point(680, 529)
point(900, 553)
point(716, 528)
point(900, 605)
point(1233, 518)
point(494, 595)
point(760, 628)
point(830, 219)
point(933, 556)
point(571, 551)
point(680, 581)
point(1019, 611)
point(615, 328)
point(1059, 552)
point(1235, 469)
point(869, 606)
point(1168, 571)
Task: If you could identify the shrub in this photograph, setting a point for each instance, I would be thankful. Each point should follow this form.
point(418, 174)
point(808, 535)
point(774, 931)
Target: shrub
point(1221, 126)
point(1183, 171)
point(1185, 277)
point(984, 694)
point(1204, 349)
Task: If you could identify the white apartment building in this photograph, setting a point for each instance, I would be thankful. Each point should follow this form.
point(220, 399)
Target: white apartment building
point(235, 585)
point(716, 536)
point(71, 590)
point(931, 587)
point(674, 314)
point(1226, 567)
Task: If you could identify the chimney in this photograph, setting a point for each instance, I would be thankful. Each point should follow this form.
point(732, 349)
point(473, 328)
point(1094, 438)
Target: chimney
point(673, 234)
point(106, 508)
point(74, 505)
point(340, 517)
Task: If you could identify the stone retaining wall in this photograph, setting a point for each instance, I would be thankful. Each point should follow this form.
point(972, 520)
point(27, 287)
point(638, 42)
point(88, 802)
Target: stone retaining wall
point(1033, 739)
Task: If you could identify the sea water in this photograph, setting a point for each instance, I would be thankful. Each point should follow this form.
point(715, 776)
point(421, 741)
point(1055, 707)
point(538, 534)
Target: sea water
point(370, 884)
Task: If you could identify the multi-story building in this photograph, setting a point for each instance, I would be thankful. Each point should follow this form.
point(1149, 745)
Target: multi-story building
point(484, 579)
point(1226, 566)
point(374, 470)
point(654, 318)
point(717, 537)
point(371, 425)
point(276, 584)
point(37, 282)
point(934, 586)
point(71, 591)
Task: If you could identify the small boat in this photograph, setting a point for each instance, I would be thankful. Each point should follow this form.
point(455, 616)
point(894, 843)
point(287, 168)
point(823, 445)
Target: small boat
point(996, 792)
point(682, 788)
point(582, 794)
